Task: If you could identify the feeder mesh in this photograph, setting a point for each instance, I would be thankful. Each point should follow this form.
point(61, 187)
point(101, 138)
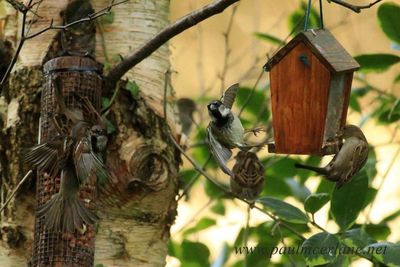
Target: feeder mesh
point(58, 248)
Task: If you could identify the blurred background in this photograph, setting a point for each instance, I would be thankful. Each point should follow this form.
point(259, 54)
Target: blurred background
point(232, 47)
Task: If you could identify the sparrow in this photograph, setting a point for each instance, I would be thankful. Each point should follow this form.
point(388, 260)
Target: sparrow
point(351, 157)
point(76, 153)
point(225, 130)
point(186, 108)
point(247, 181)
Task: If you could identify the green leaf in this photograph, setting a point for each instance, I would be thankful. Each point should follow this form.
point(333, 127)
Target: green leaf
point(370, 195)
point(325, 186)
point(275, 186)
point(397, 79)
point(110, 126)
point(315, 202)
point(376, 62)
point(378, 231)
point(174, 249)
point(283, 167)
point(218, 208)
point(204, 223)
point(388, 16)
point(100, 265)
point(269, 38)
point(348, 201)
point(341, 261)
point(388, 111)
point(385, 252)
point(187, 175)
point(212, 190)
point(256, 103)
point(357, 238)
point(360, 92)
point(283, 210)
point(304, 174)
point(194, 252)
point(299, 191)
point(354, 104)
point(105, 102)
point(325, 244)
point(391, 217)
point(108, 18)
point(133, 88)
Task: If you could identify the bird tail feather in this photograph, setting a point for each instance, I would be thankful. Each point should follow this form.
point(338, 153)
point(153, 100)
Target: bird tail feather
point(311, 168)
point(66, 214)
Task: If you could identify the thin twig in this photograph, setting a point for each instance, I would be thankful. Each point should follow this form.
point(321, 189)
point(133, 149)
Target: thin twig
point(247, 101)
point(355, 8)
point(15, 190)
point(162, 37)
point(90, 17)
point(196, 214)
point(391, 164)
point(227, 53)
point(193, 180)
point(198, 168)
point(246, 234)
point(166, 82)
point(24, 36)
point(292, 261)
point(106, 110)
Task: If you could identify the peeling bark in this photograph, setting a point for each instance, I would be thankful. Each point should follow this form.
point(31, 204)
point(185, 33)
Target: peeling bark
point(134, 232)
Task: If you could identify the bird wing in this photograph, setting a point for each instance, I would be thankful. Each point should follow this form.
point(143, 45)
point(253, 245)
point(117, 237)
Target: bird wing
point(96, 118)
point(221, 154)
point(353, 159)
point(87, 163)
point(75, 114)
point(229, 95)
point(45, 157)
point(360, 157)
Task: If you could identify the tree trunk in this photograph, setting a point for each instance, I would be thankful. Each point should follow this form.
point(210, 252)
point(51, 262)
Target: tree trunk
point(136, 231)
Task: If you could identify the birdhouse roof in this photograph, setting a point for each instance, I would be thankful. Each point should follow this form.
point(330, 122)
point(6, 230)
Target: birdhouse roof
point(326, 48)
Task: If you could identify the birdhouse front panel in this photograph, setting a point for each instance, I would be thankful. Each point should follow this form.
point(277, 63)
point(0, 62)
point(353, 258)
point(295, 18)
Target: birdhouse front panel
point(299, 98)
point(310, 79)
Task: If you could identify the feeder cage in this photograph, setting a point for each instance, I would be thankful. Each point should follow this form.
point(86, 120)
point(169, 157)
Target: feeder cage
point(310, 79)
point(81, 75)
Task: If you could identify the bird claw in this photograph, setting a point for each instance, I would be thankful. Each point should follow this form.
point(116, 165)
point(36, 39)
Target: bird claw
point(257, 130)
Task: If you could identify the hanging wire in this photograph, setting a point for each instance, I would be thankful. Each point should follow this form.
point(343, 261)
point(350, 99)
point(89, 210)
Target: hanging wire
point(307, 15)
point(321, 16)
point(308, 11)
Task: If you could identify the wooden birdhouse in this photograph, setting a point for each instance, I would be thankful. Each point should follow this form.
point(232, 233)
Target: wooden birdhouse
point(310, 80)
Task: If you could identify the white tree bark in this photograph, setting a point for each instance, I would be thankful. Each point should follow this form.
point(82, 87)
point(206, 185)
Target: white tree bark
point(135, 234)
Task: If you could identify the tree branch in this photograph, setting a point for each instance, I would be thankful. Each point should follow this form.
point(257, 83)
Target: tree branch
point(24, 33)
point(355, 8)
point(162, 37)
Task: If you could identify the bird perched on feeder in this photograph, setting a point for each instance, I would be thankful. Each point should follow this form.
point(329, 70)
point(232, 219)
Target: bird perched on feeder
point(248, 176)
point(225, 131)
point(351, 157)
point(76, 152)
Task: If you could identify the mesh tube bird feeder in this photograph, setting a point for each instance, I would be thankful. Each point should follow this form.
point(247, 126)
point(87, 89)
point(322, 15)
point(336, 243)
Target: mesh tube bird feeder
point(83, 76)
point(310, 80)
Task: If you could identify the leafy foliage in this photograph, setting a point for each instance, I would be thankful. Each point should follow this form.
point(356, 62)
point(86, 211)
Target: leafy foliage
point(288, 225)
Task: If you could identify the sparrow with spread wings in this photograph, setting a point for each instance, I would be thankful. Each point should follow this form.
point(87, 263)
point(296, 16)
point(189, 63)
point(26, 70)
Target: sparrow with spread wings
point(76, 153)
point(225, 130)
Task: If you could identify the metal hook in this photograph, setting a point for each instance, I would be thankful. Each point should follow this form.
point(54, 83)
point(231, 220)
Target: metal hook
point(307, 15)
point(308, 11)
